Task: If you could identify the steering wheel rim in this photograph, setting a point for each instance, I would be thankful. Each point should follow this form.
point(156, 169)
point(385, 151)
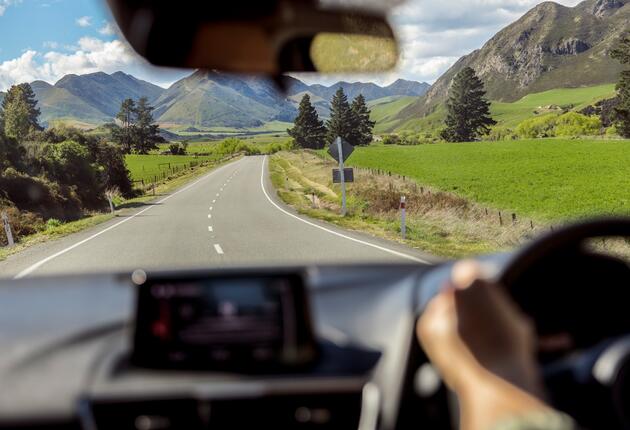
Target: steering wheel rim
point(563, 238)
point(569, 241)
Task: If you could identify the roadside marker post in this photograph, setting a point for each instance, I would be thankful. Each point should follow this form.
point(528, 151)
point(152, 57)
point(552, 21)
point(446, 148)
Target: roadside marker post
point(7, 229)
point(403, 216)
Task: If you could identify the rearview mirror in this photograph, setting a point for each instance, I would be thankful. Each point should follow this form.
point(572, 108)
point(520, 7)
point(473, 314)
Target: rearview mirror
point(265, 36)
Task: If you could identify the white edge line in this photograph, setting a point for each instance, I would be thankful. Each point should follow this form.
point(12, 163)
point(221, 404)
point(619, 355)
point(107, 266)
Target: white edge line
point(40, 263)
point(362, 242)
point(218, 248)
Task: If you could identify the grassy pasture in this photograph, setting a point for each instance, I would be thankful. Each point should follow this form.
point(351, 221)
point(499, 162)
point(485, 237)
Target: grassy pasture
point(146, 167)
point(548, 179)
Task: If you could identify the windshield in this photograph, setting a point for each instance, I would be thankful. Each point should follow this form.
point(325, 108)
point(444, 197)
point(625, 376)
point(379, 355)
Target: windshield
point(503, 120)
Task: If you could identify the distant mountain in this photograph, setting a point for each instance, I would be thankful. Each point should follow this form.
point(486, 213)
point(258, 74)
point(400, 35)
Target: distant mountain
point(551, 46)
point(94, 97)
point(1, 96)
point(203, 99)
point(209, 99)
point(321, 94)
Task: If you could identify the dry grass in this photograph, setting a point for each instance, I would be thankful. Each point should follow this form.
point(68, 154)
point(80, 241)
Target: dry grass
point(437, 222)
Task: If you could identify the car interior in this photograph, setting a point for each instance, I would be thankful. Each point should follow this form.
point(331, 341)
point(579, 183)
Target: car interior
point(312, 346)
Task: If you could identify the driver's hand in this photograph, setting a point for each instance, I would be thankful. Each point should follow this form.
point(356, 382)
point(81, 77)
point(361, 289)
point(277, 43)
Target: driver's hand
point(472, 329)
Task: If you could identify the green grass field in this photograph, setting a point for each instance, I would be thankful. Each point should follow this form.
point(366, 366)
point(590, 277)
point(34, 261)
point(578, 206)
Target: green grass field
point(147, 167)
point(548, 179)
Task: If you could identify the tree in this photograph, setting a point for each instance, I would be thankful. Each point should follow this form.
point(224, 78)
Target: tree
point(308, 131)
point(19, 114)
point(341, 120)
point(146, 133)
point(124, 134)
point(622, 111)
point(361, 133)
point(468, 110)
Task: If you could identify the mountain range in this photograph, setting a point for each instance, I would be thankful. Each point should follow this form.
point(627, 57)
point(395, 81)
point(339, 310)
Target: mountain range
point(551, 46)
point(203, 99)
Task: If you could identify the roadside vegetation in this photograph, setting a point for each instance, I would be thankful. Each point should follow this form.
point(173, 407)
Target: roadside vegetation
point(439, 223)
point(58, 180)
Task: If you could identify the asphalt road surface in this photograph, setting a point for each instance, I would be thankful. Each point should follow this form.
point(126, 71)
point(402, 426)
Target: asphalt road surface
point(231, 216)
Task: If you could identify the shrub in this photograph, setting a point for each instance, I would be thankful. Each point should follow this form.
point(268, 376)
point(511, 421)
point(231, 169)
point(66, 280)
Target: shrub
point(391, 139)
point(501, 133)
point(53, 223)
point(22, 223)
point(38, 195)
point(541, 126)
point(576, 124)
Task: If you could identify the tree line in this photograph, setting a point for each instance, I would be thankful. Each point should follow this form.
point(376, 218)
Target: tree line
point(350, 121)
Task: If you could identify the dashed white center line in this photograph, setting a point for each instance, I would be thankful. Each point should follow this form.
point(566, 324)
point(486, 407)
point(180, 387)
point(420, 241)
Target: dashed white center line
point(214, 201)
point(211, 207)
point(209, 216)
point(210, 228)
point(218, 248)
point(217, 194)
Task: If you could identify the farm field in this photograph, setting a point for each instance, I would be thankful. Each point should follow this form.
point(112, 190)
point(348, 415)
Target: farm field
point(146, 167)
point(548, 179)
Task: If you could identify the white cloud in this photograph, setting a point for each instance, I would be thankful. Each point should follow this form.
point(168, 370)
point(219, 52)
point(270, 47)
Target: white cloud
point(84, 21)
point(4, 4)
point(107, 29)
point(88, 56)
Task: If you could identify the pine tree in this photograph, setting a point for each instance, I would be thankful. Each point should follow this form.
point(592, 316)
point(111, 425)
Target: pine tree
point(124, 135)
point(19, 114)
point(622, 111)
point(362, 131)
point(341, 120)
point(146, 133)
point(308, 131)
point(468, 110)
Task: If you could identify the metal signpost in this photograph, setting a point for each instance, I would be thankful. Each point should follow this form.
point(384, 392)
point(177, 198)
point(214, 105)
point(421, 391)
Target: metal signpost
point(340, 150)
point(7, 228)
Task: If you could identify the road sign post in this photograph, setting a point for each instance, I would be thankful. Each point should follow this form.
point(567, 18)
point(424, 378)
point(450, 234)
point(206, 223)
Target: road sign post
point(342, 176)
point(7, 229)
point(340, 150)
point(403, 217)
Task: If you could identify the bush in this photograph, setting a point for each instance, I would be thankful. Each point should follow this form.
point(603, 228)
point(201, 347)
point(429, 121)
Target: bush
point(53, 223)
point(22, 223)
point(391, 139)
point(501, 133)
point(69, 163)
point(575, 124)
point(38, 195)
point(537, 127)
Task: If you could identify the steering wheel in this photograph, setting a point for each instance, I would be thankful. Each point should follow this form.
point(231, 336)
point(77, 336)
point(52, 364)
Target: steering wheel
point(579, 301)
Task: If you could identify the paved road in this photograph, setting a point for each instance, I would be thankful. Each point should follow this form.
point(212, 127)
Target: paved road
point(231, 216)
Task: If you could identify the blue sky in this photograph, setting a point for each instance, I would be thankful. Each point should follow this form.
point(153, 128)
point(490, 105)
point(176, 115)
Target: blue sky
point(47, 39)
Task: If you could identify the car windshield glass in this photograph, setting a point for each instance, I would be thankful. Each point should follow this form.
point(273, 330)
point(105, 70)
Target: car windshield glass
point(502, 120)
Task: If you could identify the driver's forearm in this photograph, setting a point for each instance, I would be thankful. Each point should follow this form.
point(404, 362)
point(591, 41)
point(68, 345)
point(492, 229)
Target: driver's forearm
point(489, 402)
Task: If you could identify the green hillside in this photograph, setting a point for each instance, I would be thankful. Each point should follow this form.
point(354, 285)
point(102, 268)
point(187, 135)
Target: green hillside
point(385, 109)
point(511, 114)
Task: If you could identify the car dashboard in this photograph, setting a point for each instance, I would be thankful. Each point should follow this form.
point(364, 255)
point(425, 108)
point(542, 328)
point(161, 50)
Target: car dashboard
point(70, 347)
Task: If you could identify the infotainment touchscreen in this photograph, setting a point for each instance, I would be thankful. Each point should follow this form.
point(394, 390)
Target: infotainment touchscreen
point(223, 322)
